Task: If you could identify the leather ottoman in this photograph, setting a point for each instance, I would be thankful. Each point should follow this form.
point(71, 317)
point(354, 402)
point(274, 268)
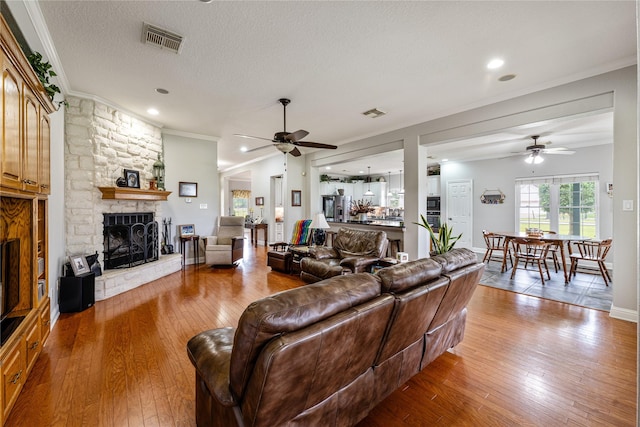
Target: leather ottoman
point(280, 261)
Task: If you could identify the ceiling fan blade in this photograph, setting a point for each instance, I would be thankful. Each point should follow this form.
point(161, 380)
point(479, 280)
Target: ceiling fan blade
point(295, 152)
point(558, 152)
point(258, 148)
point(297, 135)
point(314, 144)
point(252, 137)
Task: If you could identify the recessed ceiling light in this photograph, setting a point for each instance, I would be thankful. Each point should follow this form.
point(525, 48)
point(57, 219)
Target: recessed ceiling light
point(445, 160)
point(153, 111)
point(206, 1)
point(495, 63)
point(162, 91)
point(507, 77)
point(328, 168)
point(360, 171)
point(243, 149)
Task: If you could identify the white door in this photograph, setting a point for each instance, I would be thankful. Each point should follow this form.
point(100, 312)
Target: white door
point(459, 210)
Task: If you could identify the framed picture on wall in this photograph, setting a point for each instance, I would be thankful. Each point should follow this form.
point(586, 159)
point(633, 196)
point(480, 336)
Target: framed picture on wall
point(259, 201)
point(296, 198)
point(188, 189)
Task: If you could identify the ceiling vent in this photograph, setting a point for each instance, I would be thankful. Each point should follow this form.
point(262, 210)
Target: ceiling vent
point(373, 113)
point(161, 38)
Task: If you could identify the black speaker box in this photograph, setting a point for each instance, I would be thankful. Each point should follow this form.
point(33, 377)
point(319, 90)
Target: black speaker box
point(77, 293)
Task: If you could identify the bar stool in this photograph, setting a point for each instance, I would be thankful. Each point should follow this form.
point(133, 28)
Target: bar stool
point(329, 239)
point(394, 244)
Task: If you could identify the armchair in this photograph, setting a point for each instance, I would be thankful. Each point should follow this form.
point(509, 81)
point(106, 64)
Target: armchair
point(353, 251)
point(226, 247)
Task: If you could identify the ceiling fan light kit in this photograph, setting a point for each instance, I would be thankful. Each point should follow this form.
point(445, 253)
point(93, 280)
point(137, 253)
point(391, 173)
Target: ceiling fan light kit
point(534, 158)
point(534, 151)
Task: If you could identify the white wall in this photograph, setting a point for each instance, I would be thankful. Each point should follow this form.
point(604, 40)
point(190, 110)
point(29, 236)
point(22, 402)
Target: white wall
point(294, 178)
point(188, 159)
point(57, 231)
point(501, 174)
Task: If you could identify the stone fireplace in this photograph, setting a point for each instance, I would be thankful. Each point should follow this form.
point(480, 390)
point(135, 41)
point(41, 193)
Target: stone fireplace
point(101, 141)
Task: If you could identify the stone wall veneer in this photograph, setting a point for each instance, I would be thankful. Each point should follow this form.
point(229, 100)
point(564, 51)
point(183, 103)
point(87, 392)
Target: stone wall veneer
point(100, 142)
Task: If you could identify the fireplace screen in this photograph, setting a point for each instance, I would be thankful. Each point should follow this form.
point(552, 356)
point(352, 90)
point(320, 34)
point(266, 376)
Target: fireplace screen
point(130, 239)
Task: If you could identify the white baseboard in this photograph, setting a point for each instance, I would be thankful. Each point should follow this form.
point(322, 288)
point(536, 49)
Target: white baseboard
point(624, 314)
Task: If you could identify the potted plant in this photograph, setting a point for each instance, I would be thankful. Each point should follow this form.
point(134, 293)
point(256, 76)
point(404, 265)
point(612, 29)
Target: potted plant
point(361, 208)
point(443, 242)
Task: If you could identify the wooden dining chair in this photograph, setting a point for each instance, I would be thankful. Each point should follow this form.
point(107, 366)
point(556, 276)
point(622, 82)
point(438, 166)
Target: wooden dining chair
point(554, 248)
point(532, 251)
point(495, 243)
point(591, 251)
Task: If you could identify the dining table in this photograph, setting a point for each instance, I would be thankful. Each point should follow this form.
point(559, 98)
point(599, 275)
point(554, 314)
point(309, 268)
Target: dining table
point(557, 239)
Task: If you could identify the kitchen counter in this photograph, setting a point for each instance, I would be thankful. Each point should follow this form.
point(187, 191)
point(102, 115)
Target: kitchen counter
point(375, 222)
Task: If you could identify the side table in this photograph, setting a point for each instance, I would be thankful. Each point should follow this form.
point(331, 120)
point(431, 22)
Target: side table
point(298, 252)
point(196, 248)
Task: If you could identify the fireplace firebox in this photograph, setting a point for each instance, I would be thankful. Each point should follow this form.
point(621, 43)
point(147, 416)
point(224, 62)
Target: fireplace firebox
point(130, 239)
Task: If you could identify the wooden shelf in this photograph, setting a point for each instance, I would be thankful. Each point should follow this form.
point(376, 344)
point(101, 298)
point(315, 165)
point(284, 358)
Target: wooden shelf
point(126, 193)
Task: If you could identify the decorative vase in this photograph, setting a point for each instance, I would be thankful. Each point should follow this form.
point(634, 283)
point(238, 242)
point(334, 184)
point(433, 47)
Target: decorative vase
point(362, 217)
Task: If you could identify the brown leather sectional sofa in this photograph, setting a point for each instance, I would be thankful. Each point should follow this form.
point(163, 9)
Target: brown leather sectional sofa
point(327, 353)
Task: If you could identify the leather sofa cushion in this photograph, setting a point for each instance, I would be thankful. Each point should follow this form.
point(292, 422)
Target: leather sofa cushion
point(455, 259)
point(289, 311)
point(350, 242)
point(407, 275)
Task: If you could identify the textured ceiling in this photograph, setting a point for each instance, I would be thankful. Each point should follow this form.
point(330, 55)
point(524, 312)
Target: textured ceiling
point(414, 60)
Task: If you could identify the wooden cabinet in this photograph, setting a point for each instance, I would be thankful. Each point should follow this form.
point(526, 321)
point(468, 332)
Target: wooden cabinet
point(30, 141)
point(11, 136)
point(13, 375)
point(25, 124)
point(24, 186)
point(33, 343)
point(41, 266)
point(44, 159)
point(45, 320)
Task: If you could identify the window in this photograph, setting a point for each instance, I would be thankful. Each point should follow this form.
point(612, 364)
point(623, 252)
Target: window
point(240, 202)
point(566, 204)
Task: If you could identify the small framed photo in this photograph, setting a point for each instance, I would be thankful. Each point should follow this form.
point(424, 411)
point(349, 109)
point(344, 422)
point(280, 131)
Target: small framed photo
point(402, 256)
point(296, 198)
point(259, 201)
point(132, 177)
point(186, 230)
point(79, 265)
point(188, 189)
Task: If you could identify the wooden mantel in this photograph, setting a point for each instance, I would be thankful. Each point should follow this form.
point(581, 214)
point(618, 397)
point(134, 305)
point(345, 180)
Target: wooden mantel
point(126, 193)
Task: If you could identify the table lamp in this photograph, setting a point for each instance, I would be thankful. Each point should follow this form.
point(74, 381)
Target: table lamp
point(318, 225)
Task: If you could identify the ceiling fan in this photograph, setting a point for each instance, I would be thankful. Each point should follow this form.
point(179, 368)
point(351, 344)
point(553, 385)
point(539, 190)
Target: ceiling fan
point(533, 151)
point(288, 142)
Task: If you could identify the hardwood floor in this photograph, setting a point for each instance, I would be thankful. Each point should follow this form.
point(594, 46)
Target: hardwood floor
point(523, 361)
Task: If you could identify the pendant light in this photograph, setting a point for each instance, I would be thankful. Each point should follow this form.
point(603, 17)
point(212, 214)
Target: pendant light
point(369, 193)
point(401, 187)
point(389, 193)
